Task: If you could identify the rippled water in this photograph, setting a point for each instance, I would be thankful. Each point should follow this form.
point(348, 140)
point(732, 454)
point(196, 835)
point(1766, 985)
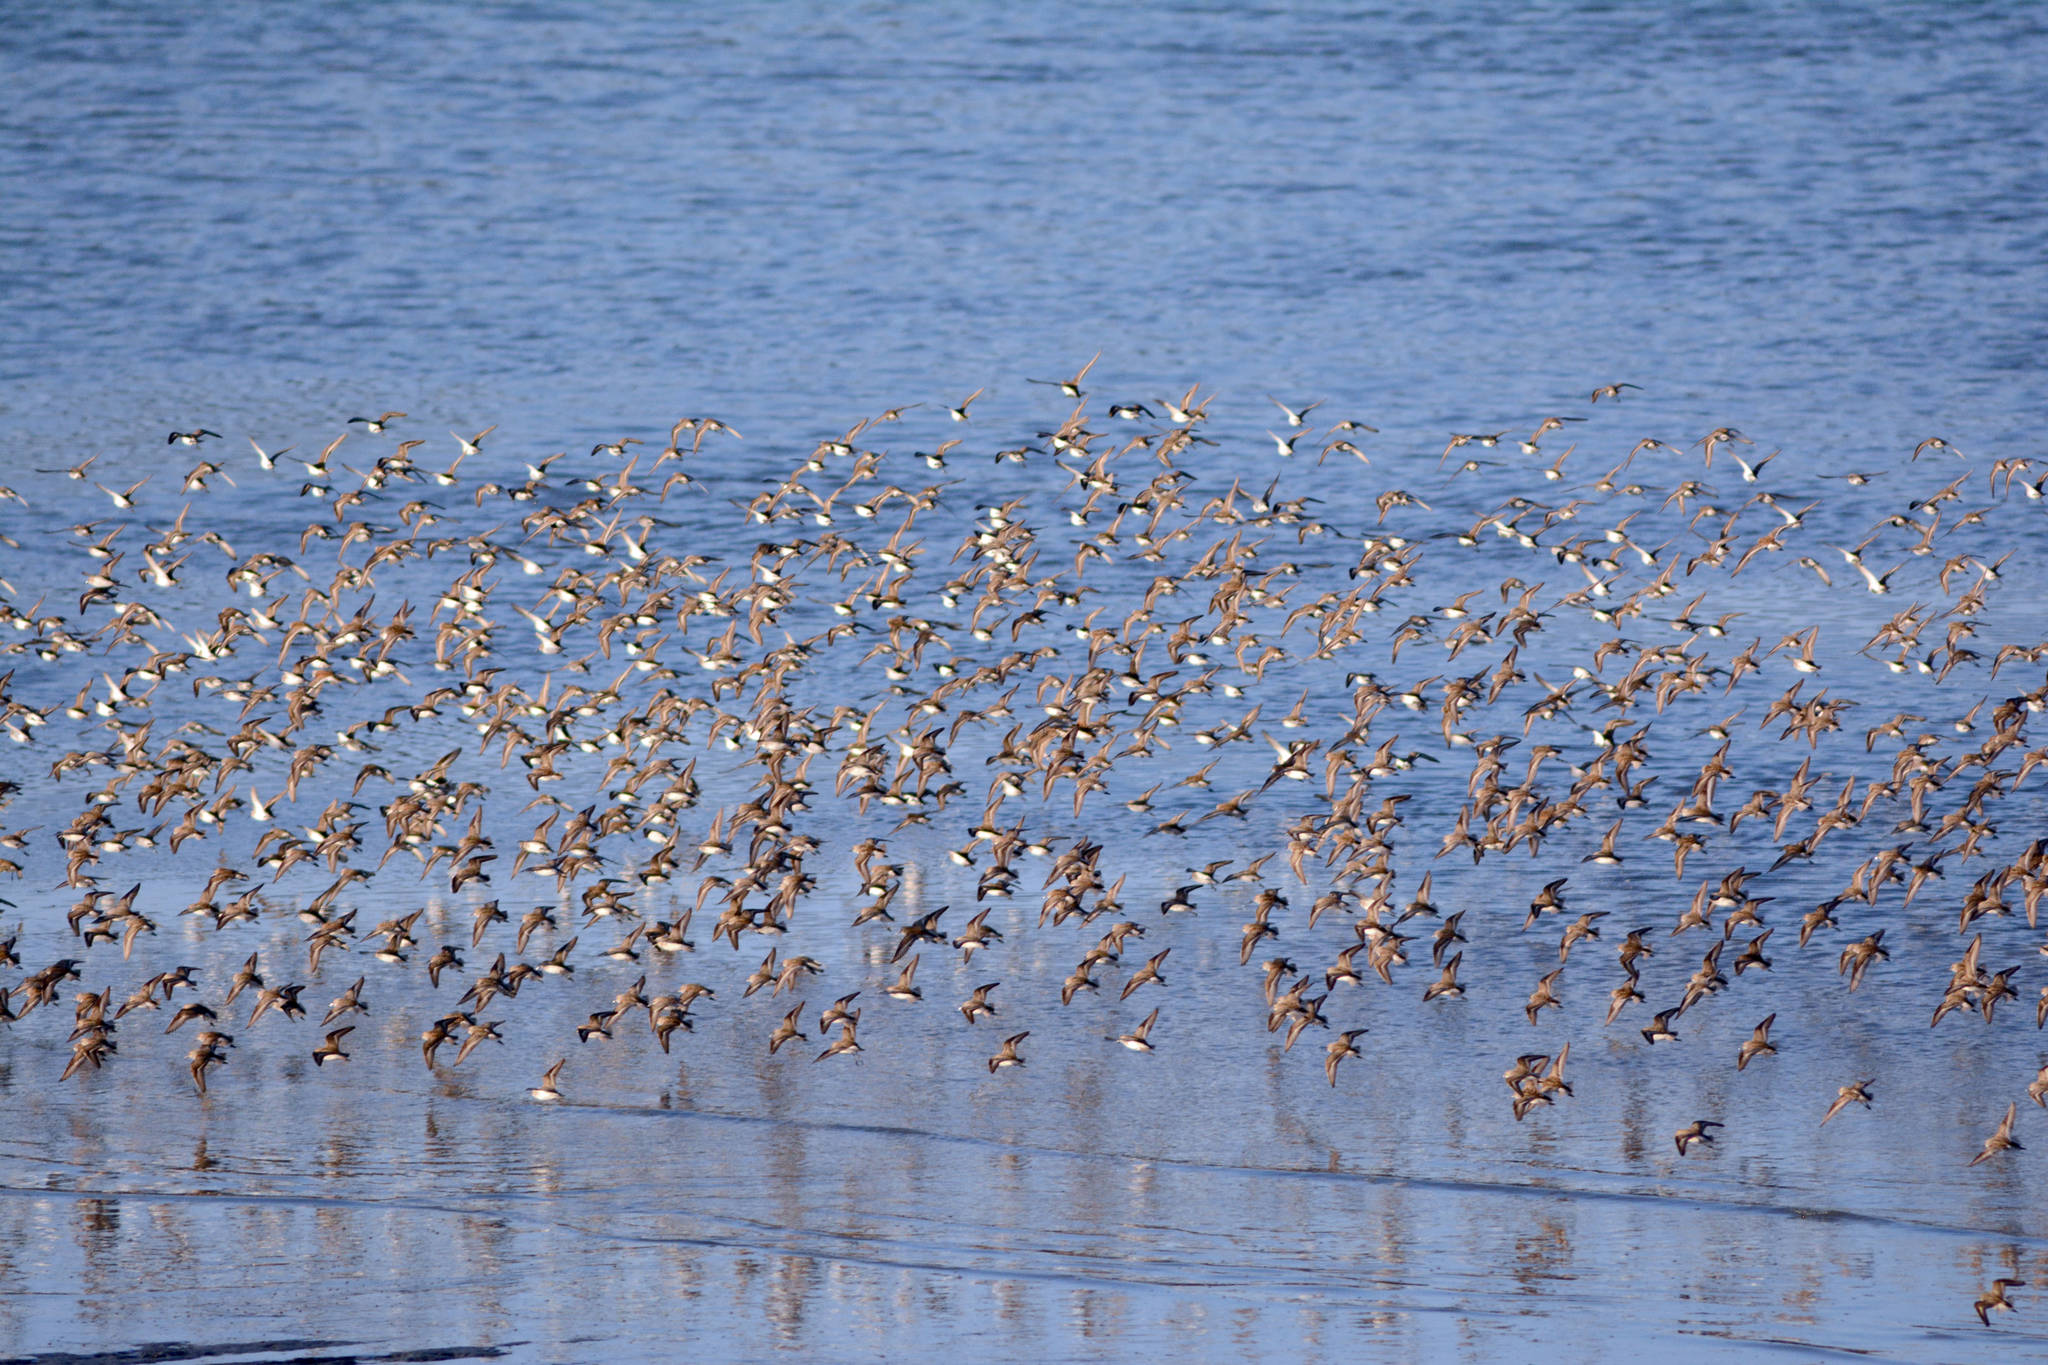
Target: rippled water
point(1822, 229)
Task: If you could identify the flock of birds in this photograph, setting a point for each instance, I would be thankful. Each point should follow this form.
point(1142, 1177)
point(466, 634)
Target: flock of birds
point(983, 680)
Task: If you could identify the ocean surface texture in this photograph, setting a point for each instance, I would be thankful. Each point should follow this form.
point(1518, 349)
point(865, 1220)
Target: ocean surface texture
point(1822, 227)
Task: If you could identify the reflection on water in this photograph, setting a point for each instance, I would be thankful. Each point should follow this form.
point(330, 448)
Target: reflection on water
point(1075, 1216)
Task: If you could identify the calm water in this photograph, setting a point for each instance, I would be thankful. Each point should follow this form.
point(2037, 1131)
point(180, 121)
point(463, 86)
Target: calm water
point(1823, 229)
